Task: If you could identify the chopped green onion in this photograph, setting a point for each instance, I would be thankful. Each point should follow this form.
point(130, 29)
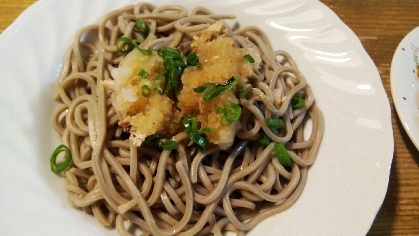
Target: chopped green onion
point(282, 154)
point(198, 139)
point(231, 113)
point(174, 69)
point(297, 101)
point(249, 58)
point(219, 110)
point(202, 88)
point(127, 43)
point(152, 139)
point(146, 91)
point(244, 91)
point(143, 74)
point(274, 123)
point(168, 144)
point(194, 124)
point(174, 66)
point(142, 27)
point(157, 82)
point(264, 139)
point(190, 124)
point(206, 131)
point(172, 53)
point(130, 44)
point(138, 41)
point(191, 127)
point(146, 52)
point(220, 88)
point(192, 59)
point(179, 63)
point(57, 168)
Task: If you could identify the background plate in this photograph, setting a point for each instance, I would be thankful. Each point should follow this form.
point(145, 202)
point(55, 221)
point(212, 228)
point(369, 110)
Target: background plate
point(345, 187)
point(405, 84)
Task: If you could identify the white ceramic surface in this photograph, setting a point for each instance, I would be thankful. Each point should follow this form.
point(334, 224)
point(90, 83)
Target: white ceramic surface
point(405, 84)
point(345, 187)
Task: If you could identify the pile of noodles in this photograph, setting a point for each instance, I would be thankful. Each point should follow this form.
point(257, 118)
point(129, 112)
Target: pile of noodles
point(185, 191)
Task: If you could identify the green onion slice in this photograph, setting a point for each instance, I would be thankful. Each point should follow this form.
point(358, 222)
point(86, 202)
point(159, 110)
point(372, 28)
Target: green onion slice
point(128, 45)
point(142, 27)
point(244, 91)
point(249, 58)
point(174, 66)
point(297, 101)
point(152, 139)
point(274, 123)
point(57, 168)
point(190, 124)
point(146, 91)
point(282, 154)
point(198, 139)
point(157, 83)
point(206, 131)
point(168, 144)
point(174, 70)
point(172, 53)
point(231, 112)
point(192, 59)
point(178, 63)
point(202, 88)
point(264, 139)
point(219, 110)
point(138, 41)
point(216, 90)
point(191, 127)
point(143, 74)
point(167, 84)
point(147, 52)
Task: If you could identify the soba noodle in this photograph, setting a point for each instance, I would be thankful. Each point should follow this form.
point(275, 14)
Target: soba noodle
point(188, 190)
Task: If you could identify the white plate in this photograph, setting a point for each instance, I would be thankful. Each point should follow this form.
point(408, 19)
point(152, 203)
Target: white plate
point(346, 185)
point(405, 84)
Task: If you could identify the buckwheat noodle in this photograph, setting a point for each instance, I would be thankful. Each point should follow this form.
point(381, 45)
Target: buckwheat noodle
point(185, 191)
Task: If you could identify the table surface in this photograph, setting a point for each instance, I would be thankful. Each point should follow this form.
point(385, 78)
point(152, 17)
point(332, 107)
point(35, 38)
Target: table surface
point(380, 25)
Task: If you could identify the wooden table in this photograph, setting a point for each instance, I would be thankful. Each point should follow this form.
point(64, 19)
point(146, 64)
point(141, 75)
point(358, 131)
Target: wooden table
point(381, 25)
